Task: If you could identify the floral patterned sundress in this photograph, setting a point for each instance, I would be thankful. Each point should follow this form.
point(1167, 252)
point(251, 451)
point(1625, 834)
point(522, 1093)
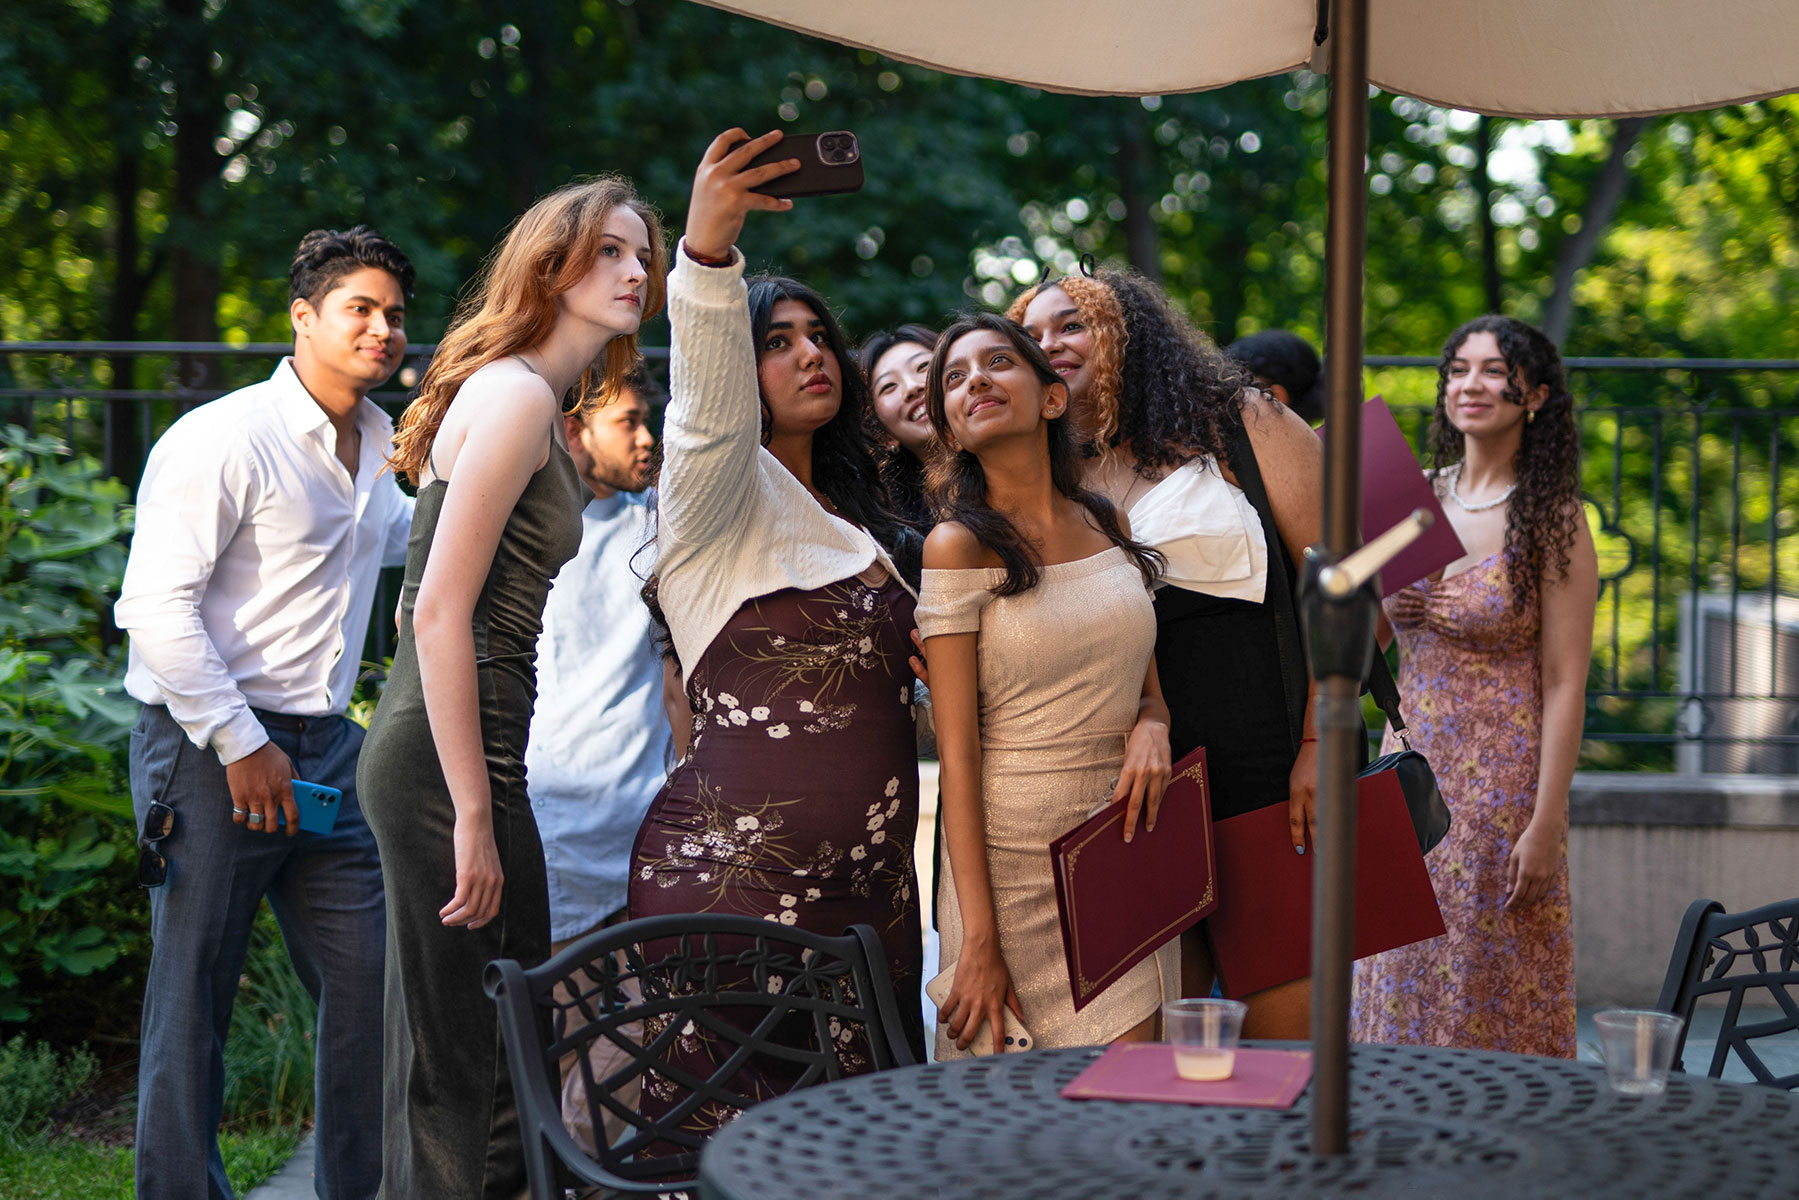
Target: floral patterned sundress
point(1470, 674)
point(798, 799)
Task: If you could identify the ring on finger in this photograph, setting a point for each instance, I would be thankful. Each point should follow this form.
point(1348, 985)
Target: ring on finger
point(239, 812)
point(255, 818)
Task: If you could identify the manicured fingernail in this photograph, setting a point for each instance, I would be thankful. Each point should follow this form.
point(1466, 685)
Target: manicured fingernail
point(1299, 849)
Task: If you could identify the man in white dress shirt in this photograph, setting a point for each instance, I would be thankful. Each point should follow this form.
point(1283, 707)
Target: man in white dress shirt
point(263, 520)
point(599, 746)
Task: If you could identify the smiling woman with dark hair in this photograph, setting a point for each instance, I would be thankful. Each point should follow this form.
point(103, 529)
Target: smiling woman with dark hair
point(895, 365)
point(1037, 621)
point(1224, 482)
point(1493, 661)
point(798, 798)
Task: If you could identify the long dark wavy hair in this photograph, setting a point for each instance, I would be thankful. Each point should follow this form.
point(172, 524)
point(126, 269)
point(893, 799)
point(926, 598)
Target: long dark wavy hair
point(843, 463)
point(1542, 518)
point(958, 485)
point(1174, 392)
point(901, 470)
point(843, 459)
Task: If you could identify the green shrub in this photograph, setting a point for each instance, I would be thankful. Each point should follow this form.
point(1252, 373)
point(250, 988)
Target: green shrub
point(35, 1081)
point(64, 718)
point(269, 1057)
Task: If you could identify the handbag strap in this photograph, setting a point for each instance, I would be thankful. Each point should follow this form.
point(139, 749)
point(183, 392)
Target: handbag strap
point(1242, 455)
point(1379, 683)
point(1386, 694)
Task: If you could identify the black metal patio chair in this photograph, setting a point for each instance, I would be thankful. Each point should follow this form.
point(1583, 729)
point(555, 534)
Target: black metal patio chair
point(745, 983)
point(1739, 956)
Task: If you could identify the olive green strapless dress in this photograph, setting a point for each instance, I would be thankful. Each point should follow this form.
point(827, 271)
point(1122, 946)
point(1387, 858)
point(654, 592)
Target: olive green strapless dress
point(450, 1128)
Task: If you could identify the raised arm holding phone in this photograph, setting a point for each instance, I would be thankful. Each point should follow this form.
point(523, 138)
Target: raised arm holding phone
point(798, 798)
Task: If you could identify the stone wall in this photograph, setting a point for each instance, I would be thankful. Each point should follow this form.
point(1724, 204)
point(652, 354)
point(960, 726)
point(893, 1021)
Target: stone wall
point(1644, 846)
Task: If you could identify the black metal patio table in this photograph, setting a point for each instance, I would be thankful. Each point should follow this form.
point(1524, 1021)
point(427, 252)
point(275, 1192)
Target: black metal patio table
point(1423, 1122)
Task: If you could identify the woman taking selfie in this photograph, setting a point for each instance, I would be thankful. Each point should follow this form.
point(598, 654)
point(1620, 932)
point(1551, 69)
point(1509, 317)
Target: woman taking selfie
point(1224, 483)
point(798, 799)
point(442, 773)
point(1493, 661)
point(1040, 634)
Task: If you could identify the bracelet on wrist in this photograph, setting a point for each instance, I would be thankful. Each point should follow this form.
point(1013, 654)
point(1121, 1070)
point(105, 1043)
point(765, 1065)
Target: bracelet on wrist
point(706, 260)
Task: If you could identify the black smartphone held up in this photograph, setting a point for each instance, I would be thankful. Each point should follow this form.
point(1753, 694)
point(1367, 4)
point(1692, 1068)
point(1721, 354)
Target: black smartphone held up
point(830, 164)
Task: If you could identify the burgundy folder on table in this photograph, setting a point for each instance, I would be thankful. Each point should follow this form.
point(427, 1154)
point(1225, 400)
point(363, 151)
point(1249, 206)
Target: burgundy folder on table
point(1393, 484)
point(1120, 900)
point(1261, 934)
point(1145, 1071)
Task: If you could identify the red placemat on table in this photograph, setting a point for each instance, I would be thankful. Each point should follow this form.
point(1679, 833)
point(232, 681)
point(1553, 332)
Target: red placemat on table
point(1145, 1071)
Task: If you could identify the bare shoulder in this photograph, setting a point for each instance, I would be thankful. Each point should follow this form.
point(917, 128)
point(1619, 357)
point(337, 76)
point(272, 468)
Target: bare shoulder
point(1267, 418)
point(952, 546)
point(505, 391)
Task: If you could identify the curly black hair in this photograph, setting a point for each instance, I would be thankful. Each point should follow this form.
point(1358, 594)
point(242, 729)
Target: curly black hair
point(325, 256)
point(1176, 390)
point(958, 485)
point(1286, 359)
point(1544, 512)
point(901, 470)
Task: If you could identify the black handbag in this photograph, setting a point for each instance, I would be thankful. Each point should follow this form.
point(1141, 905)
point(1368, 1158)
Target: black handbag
point(1423, 799)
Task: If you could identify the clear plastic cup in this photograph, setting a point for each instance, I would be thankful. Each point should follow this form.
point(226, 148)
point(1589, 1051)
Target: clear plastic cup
point(1204, 1035)
point(1638, 1047)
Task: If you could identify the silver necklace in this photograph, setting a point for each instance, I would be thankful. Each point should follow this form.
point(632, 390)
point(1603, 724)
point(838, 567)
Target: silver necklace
point(1455, 474)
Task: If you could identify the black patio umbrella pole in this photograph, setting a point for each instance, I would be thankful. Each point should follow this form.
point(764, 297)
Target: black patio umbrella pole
point(1338, 714)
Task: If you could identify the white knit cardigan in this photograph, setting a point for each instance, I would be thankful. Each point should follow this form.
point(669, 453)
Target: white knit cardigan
point(733, 523)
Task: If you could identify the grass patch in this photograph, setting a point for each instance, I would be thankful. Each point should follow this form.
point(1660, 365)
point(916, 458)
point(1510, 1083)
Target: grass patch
point(63, 1169)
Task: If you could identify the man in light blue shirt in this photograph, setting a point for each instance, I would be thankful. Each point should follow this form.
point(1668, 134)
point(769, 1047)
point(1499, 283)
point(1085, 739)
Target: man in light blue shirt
point(600, 745)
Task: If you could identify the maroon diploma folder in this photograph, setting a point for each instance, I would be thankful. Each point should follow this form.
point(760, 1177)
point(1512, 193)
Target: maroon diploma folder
point(1393, 484)
point(1262, 932)
point(1120, 900)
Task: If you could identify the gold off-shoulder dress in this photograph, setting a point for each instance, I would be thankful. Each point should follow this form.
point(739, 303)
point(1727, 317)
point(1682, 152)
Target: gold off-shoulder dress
point(1061, 672)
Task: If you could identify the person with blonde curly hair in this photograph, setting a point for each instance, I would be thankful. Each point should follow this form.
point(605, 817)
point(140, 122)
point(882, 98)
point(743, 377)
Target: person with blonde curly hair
point(556, 311)
point(1223, 482)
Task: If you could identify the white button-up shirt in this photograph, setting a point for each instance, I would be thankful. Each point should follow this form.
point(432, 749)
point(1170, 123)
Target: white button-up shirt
point(253, 567)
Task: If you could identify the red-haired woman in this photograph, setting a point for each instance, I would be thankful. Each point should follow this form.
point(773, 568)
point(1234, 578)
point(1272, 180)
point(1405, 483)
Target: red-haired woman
point(1493, 662)
point(442, 773)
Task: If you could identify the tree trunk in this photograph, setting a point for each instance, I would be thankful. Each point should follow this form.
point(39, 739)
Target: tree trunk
point(1489, 233)
point(1140, 238)
point(1578, 248)
point(193, 260)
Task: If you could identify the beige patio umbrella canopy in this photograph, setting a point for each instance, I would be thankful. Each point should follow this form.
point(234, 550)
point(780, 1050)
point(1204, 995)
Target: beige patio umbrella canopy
point(1514, 58)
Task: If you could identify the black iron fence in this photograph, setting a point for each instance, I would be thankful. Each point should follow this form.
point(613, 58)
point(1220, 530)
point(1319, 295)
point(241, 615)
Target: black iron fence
point(1687, 472)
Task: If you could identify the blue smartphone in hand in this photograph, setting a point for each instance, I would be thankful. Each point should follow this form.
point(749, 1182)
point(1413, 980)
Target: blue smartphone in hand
point(317, 804)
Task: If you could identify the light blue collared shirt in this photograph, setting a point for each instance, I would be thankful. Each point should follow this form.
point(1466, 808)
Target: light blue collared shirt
point(600, 746)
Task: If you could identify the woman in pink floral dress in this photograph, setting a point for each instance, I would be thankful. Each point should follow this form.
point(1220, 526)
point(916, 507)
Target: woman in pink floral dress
point(1493, 666)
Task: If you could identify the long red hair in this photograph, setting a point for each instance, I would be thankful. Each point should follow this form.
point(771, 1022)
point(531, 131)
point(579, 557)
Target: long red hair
point(512, 306)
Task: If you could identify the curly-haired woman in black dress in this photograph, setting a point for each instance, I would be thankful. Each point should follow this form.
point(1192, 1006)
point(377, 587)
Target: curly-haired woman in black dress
point(1182, 444)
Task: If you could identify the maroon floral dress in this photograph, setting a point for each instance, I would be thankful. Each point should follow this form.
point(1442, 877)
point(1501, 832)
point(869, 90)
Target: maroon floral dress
point(798, 799)
point(1470, 674)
